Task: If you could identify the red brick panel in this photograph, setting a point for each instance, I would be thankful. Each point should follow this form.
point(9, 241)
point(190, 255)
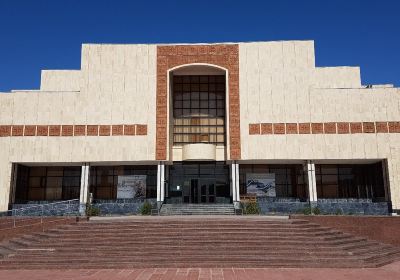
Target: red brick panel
point(368, 127)
point(30, 130)
point(254, 128)
point(226, 56)
point(67, 130)
point(317, 128)
point(266, 128)
point(17, 130)
point(382, 127)
point(356, 127)
point(42, 130)
point(279, 128)
point(291, 128)
point(394, 127)
point(343, 127)
point(304, 128)
point(330, 128)
point(80, 130)
point(54, 130)
point(141, 129)
point(105, 130)
point(92, 130)
point(118, 129)
point(5, 130)
point(129, 129)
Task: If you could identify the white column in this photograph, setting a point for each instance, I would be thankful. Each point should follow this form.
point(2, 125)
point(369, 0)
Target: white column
point(160, 182)
point(84, 192)
point(237, 182)
point(233, 182)
point(312, 184)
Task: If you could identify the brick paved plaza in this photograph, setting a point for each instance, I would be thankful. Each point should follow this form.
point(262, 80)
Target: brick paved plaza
point(387, 272)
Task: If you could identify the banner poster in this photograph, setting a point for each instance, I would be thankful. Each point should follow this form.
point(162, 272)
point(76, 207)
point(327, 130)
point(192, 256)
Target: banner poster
point(261, 184)
point(131, 186)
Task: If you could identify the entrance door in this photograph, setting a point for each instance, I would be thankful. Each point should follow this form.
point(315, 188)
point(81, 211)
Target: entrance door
point(205, 191)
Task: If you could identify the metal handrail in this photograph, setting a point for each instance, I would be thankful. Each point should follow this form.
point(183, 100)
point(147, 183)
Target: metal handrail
point(68, 208)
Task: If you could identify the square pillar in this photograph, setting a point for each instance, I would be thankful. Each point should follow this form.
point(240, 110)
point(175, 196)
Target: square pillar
point(235, 182)
point(312, 183)
point(84, 192)
point(160, 182)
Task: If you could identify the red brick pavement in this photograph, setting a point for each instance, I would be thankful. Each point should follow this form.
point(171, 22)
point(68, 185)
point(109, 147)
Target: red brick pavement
point(387, 272)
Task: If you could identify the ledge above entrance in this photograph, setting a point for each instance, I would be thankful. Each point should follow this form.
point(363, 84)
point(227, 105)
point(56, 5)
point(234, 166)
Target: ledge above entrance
point(198, 151)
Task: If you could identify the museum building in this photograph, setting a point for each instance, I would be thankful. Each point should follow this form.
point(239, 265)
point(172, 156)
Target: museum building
point(203, 124)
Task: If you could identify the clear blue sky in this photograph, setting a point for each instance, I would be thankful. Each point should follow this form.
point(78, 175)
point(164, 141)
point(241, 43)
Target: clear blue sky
point(40, 34)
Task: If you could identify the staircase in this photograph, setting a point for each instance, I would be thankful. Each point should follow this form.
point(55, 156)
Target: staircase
point(218, 241)
point(197, 209)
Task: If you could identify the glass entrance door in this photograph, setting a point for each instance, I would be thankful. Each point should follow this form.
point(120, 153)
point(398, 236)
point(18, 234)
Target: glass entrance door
point(202, 191)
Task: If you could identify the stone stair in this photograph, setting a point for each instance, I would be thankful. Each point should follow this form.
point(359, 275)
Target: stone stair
point(196, 241)
point(197, 209)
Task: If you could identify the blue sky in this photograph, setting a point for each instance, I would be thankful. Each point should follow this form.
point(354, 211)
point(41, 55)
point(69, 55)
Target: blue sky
point(40, 34)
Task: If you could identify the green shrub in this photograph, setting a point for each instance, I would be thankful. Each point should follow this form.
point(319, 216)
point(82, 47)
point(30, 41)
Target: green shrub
point(316, 211)
point(339, 212)
point(308, 211)
point(251, 208)
point(146, 208)
point(92, 210)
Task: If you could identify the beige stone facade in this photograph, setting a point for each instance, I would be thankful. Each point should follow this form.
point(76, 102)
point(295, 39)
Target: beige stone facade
point(280, 108)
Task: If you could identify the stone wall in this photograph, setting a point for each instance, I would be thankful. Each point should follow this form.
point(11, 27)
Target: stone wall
point(272, 205)
point(121, 206)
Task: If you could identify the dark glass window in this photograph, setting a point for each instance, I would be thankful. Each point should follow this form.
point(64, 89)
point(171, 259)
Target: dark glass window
point(47, 183)
point(199, 109)
point(350, 181)
point(104, 179)
point(290, 179)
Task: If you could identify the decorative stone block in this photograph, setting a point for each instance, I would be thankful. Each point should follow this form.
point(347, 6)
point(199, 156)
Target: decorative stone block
point(382, 127)
point(304, 128)
point(92, 130)
point(355, 127)
point(30, 130)
point(17, 130)
point(279, 128)
point(5, 130)
point(317, 128)
point(141, 129)
point(291, 128)
point(254, 128)
point(266, 128)
point(117, 130)
point(129, 129)
point(343, 127)
point(42, 130)
point(54, 130)
point(394, 127)
point(368, 127)
point(80, 130)
point(105, 130)
point(67, 130)
point(330, 128)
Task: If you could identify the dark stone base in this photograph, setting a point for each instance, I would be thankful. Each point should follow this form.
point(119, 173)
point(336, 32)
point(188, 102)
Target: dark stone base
point(276, 205)
point(281, 205)
point(43, 208)
point(121, 206)
point(352, 207)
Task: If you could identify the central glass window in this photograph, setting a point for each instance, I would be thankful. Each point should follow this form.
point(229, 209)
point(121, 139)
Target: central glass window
point(199, 109)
